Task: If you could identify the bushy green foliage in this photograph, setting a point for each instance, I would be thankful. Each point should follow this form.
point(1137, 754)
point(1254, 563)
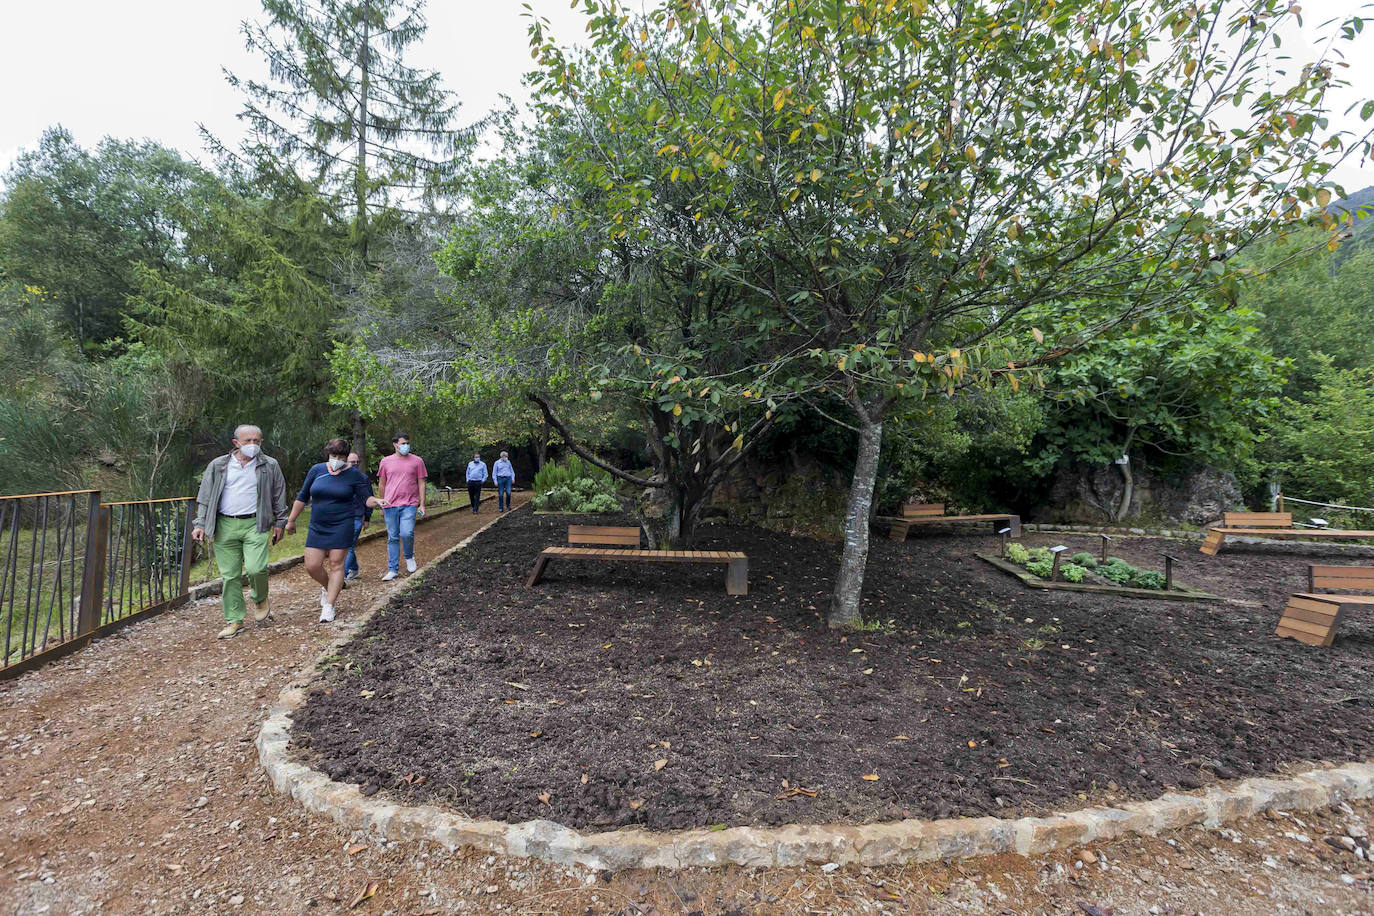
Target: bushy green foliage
point(1323, 445)
point(1148, 578)
point(574, 486)
point(1072, 572)
point(1119, 572)
point(1041, 553)
point(1018, 554)
point(1041, 568)
point(1085, 559)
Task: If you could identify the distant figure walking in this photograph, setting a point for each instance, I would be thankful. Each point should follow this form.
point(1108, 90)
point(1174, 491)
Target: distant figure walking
point(333, 491)
point(477, 475)
point(242, 497)
point(504, 472)
point(401, 478)
point(362, 517)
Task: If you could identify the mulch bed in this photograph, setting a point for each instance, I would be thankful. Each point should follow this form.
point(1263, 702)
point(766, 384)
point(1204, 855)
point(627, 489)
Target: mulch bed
point(642, 694)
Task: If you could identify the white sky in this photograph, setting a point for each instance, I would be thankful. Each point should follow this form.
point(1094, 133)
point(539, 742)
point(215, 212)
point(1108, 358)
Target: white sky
point(152, 68)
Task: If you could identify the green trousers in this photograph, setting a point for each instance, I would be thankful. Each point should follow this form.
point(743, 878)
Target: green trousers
point(241, 553)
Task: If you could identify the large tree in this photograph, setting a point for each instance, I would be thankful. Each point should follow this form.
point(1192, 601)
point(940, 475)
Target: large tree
point(944, 193)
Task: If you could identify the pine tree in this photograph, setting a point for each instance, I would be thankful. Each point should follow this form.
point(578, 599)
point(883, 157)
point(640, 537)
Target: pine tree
point(342, 102)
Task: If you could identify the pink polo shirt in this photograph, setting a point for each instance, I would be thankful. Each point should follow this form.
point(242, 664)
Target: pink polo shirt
point(403, 475)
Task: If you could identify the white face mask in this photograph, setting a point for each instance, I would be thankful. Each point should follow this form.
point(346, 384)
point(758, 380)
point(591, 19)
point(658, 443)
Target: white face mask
point(336, 464)
point(403, 448)
point(250, 451)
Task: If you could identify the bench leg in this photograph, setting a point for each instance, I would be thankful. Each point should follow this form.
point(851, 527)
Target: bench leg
point(1212, 543)
point(898, 530)
point(1303, 623)
point(537, 571)
point(737, 578)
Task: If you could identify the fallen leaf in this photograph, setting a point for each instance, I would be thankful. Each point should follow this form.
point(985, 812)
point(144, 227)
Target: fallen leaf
point(517, 685)
point(367, 694)
point(584, 779)
point(661, 763)
point(973, 744)
point(871, 777)
point(902, 738)
point(636, 803)
point(354, 850)
point(366, 893)
point(536, 734)
point(545, 797)
point(716, 827)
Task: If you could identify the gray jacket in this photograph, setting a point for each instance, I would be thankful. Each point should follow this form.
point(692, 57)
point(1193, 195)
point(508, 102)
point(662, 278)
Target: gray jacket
point(271, 494)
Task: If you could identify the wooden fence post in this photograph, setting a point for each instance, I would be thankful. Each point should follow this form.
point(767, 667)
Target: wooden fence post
point(188, 548)
point(93, 567)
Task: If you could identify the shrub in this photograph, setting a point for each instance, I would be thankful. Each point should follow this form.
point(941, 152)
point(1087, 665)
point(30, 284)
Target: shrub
point(1041, 553)
point(1017, 554)
point(574, 486)
point(1041, 568)
point(1120, 573)
point(1085, 560)
point(1072, 572)
point(1148, 578)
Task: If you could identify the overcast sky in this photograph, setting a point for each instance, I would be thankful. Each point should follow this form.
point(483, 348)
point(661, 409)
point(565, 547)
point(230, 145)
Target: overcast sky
point(152, 68)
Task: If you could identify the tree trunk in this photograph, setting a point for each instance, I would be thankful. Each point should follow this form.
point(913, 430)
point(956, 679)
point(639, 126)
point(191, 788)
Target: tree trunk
point(541, 445)
point(360, 175)
point(1127, 491)
point(849, 584)
point(360, 437)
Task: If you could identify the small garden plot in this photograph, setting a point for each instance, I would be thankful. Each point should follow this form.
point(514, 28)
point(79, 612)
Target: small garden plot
point(633, 694)
point(1084, 572)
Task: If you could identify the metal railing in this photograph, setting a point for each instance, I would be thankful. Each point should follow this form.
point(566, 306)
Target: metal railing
point(72, 567)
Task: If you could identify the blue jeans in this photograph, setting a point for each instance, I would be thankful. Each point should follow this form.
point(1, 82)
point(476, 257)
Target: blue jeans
point(351, 561)
point(503, 485)
point(400, 535)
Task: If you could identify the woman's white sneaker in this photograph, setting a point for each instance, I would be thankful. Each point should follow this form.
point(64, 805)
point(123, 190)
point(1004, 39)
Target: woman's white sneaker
point(410, 564)
point(390, 574)
point(327, 614)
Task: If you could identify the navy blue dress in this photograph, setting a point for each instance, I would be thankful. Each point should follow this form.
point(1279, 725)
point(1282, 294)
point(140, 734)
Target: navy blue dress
point(333, 499)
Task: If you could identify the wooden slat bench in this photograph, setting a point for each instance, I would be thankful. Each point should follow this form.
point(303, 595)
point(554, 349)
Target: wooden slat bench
point(934, 513)
point(1312, 618)
point(622, 545)
point(1271, 525)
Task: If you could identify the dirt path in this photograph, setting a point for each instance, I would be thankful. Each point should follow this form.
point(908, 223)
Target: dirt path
point(129, 784)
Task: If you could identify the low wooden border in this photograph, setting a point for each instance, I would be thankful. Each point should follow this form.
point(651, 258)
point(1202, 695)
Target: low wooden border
point(1179, 593)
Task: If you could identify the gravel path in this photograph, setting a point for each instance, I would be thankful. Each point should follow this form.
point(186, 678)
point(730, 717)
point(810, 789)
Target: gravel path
point(129, 784)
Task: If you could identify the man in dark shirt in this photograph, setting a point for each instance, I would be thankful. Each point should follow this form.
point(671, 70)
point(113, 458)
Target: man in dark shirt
point(362, 515)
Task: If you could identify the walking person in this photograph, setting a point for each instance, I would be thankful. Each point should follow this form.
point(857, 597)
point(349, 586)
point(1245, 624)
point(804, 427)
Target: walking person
point(333, 491)
point(504, 472)
point(362, 517)
point(242, 498)
point(477, 475)
point(401, 478)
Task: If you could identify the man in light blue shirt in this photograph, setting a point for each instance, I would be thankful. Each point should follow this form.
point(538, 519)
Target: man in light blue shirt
point(504, 472)
point(477, 475)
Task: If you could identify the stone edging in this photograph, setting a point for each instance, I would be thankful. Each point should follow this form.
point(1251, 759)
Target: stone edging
point(867, 844)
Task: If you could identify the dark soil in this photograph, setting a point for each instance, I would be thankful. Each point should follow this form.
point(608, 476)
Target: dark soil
point(976, 695)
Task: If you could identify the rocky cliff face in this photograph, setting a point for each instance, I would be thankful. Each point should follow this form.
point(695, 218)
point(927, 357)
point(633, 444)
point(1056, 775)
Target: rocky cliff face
point(1084, 494)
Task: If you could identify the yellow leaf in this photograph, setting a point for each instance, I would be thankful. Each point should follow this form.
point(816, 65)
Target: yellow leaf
point(739, 443)
point(918, 356)
point(661, 763)
point(840, 364)
point(815, 174)
point(1323, 197)
point(1015, 383)
point(973, 744)
point(871, 777)
point(677, 410)
point(1038, 334)
point(1013, 231)
point(1189, 68)
point(779, 100)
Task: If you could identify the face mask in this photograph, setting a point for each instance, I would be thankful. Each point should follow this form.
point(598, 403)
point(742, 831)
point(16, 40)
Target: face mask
point(336, 463)
point(403, 449)
point(250, 450)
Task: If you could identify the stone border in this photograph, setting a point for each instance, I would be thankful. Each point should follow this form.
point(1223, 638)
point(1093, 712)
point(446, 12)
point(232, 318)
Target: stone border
point(868, 844)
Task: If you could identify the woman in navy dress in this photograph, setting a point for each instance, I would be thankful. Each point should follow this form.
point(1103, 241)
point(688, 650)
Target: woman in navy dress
point(334, 491)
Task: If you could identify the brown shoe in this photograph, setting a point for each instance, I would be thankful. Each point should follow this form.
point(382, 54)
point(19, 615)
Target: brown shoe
point(261, 611)
point(232, 630)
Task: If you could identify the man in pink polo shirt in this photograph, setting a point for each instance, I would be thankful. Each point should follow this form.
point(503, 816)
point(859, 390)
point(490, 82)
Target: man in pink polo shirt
point(402, 480)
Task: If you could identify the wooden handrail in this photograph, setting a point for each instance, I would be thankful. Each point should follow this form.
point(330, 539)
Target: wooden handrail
point(149, 502)
point(60, 493)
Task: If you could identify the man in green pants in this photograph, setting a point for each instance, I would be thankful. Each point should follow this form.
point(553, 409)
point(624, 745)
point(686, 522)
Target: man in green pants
point(242, 497)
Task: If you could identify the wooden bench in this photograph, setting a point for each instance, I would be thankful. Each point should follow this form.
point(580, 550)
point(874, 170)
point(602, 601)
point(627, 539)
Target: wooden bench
point(1312, 618)
point(934, 513)
point(621, 545)
point(1270, 525)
